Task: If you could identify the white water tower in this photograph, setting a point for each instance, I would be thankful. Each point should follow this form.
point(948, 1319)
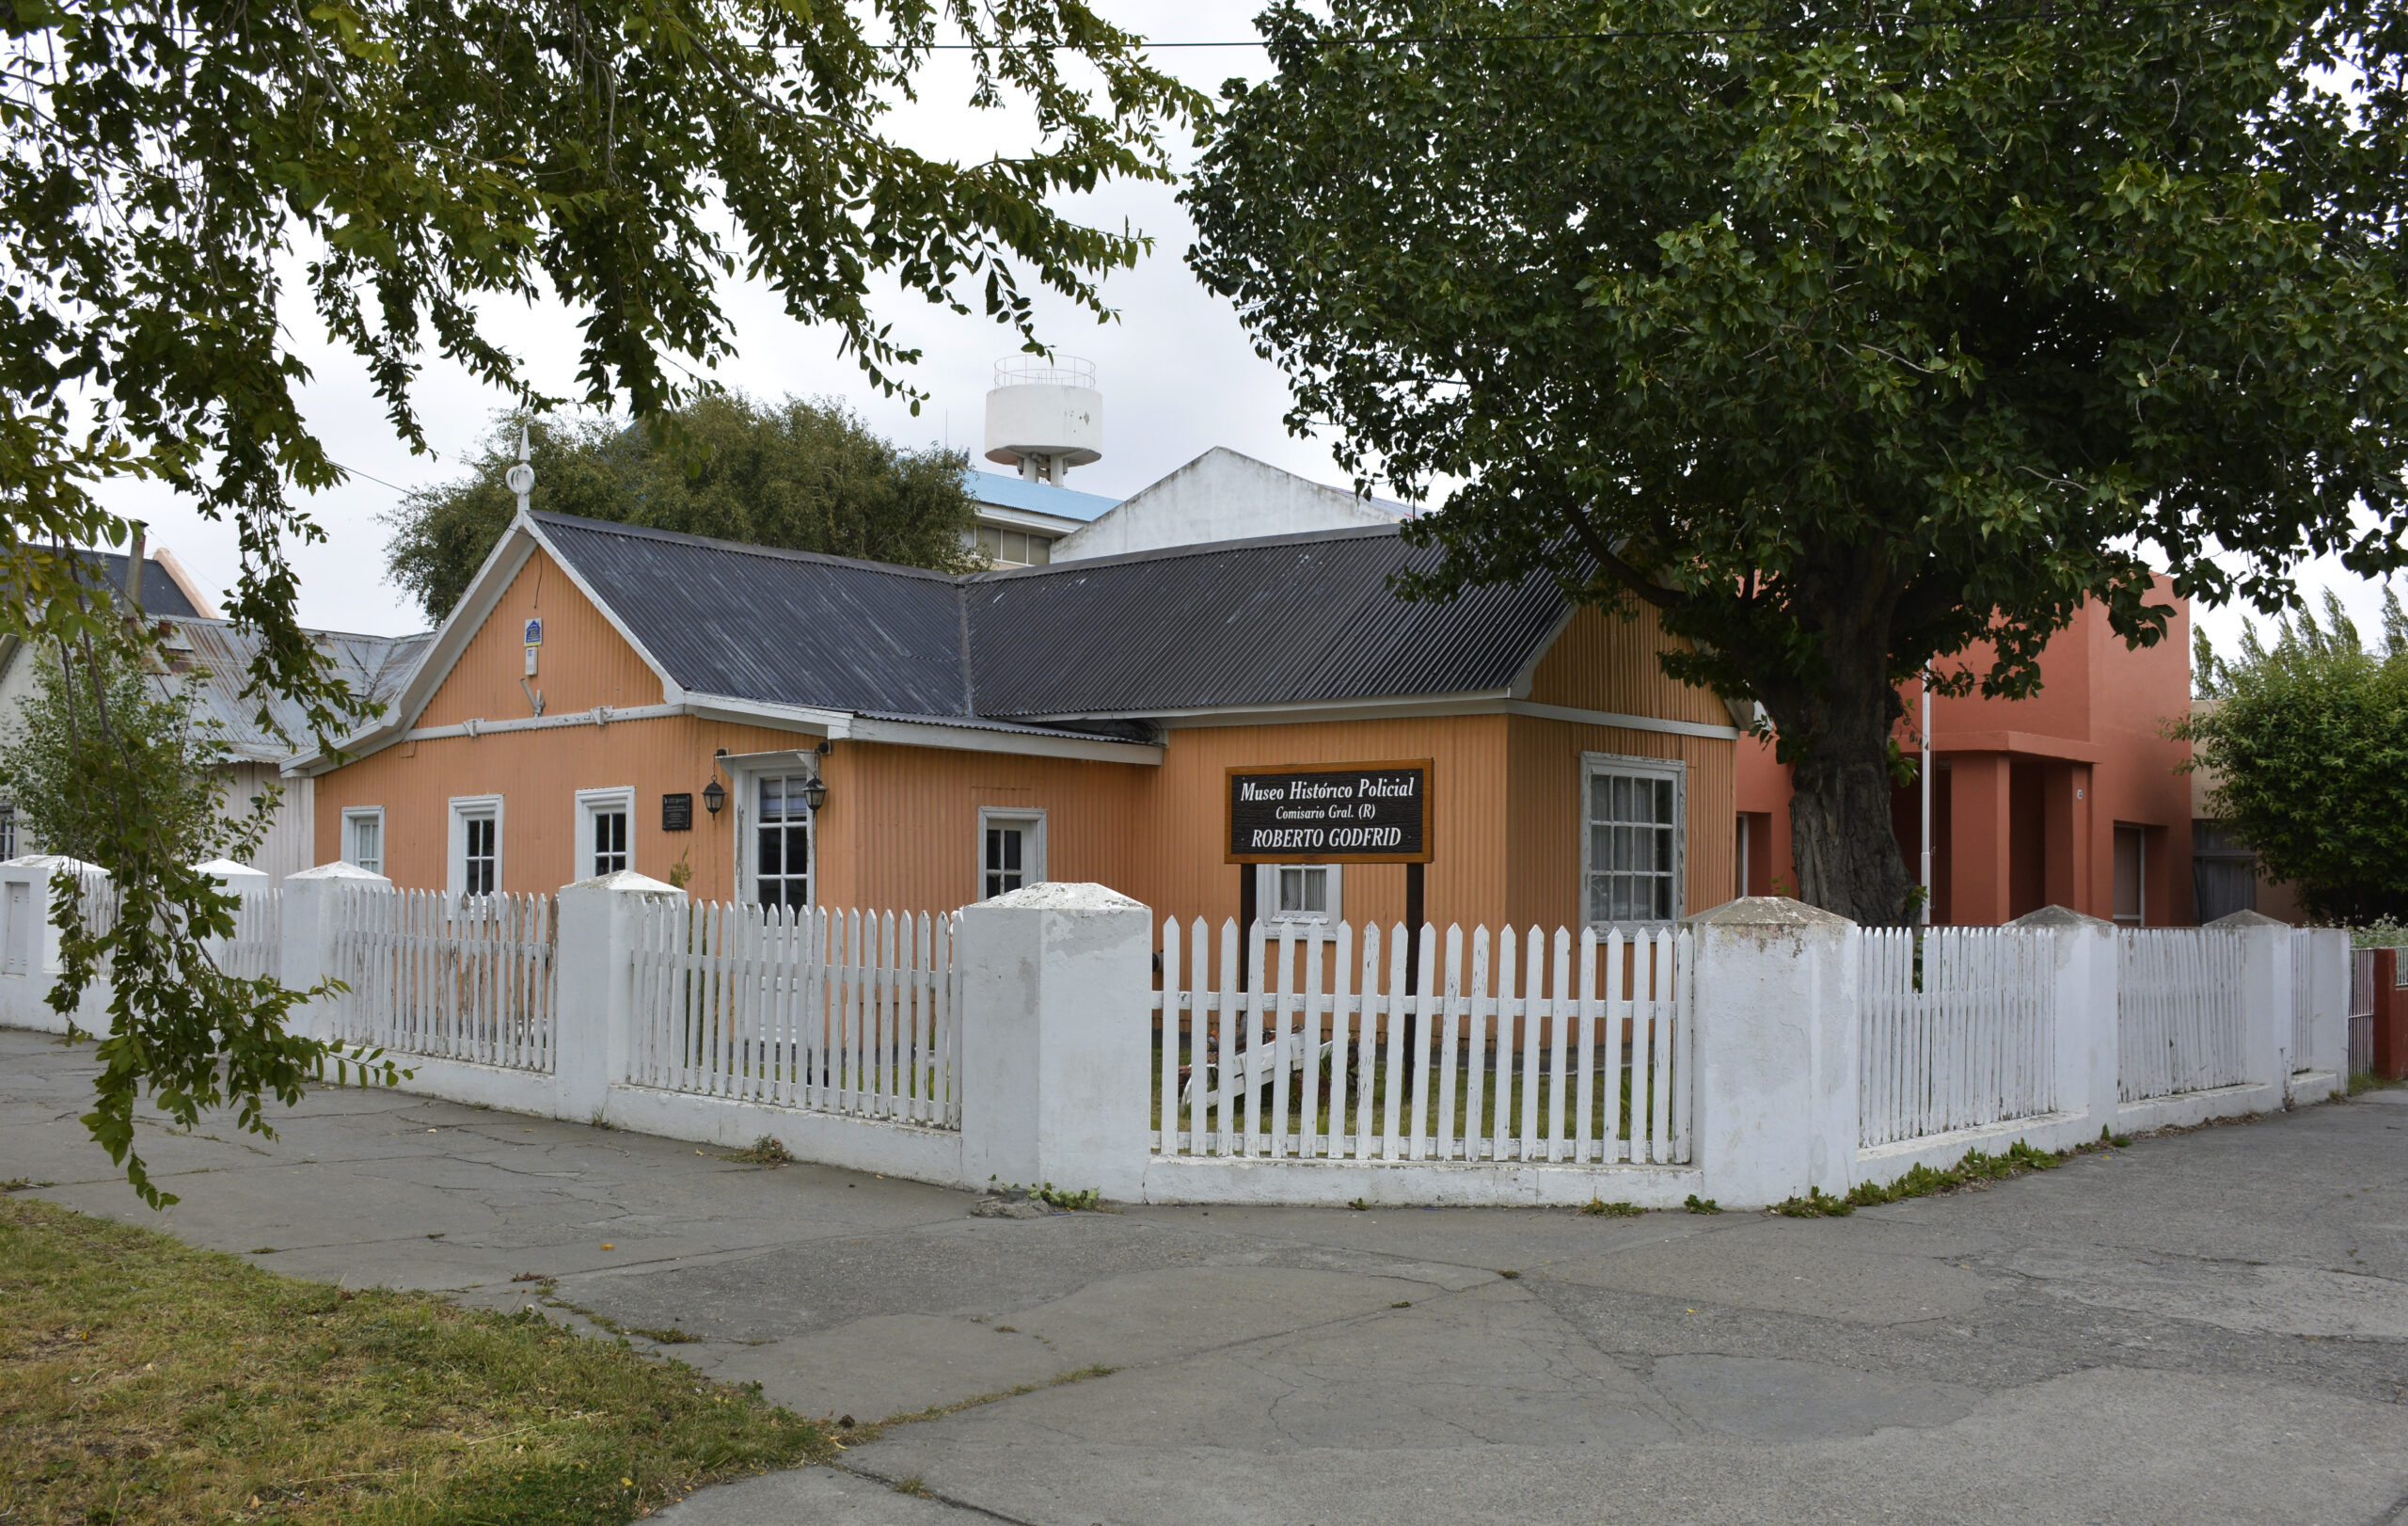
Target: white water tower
point(1044, 417)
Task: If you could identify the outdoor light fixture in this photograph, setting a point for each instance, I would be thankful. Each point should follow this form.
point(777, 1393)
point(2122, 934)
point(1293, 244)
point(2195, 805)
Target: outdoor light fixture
point(815, 794)
point(714, 796)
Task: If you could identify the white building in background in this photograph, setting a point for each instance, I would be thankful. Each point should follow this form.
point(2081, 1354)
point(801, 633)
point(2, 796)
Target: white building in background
point(212, 657)
point(1222, 496)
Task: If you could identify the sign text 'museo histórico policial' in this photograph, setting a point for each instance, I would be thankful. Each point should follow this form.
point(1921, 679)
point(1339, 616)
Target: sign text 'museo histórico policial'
point(1331, 813)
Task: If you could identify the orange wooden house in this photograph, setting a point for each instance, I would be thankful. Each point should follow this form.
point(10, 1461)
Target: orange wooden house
point(768, 726)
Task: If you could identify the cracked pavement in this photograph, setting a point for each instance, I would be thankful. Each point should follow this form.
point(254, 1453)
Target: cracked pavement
point(2205, 1327)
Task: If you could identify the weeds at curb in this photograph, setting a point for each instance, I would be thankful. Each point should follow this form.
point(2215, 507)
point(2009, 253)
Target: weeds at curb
point(1695, 1204)
point(765, 1151)
point(1594, 1208)
point(2019, 1159)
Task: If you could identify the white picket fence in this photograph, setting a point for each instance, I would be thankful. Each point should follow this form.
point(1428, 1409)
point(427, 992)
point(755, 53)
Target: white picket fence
point(833, 1011)
point(1579, 1054)
point(432, 976)
point(256, 951)
point(2178, 1011)
point(1959, 1029)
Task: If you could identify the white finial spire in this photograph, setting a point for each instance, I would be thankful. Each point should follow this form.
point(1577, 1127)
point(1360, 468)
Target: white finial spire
point(522, 476)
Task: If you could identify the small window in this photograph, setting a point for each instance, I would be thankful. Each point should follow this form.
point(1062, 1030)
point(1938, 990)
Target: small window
point(1300, 893)
point(8, 831)
point(605, 830)
point(363, 840)
point(781, 843)
point(1631, 856)
point(475, 870)
point(481, 861)
point(1011, 852)
point(1014, 547)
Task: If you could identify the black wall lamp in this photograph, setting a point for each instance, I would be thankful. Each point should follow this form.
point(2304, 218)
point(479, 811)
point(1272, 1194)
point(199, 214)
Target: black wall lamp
point(815, 793)
point(714, 796)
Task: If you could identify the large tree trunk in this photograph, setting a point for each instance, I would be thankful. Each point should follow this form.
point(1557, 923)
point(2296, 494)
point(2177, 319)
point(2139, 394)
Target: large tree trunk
point(1836, 733)
point(1840, 831)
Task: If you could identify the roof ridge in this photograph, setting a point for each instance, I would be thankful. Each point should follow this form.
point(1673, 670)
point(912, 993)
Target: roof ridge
point(779, 553)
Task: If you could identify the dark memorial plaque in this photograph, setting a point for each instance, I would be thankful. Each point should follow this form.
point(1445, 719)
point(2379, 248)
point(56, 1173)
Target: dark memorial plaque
point(676, 813)
point(1331, 813)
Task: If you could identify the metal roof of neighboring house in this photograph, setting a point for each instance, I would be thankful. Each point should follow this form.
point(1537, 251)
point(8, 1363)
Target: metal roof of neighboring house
point(1034, 497)
point(215, 656)
point(162, 593)
point(1290, 619)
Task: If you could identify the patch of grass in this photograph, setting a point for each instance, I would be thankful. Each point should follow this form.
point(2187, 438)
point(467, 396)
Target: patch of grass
point(914, 1485)
point(144, 1380)
point(765, 1151)
point(23, 1183)
point(2361, 1082)
point(1594, 1208)
point(1695, 1204)
point(2019, 1159)
point(670, 1337)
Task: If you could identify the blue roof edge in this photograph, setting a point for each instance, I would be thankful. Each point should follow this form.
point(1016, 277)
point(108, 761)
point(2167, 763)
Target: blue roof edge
point(1036, 497)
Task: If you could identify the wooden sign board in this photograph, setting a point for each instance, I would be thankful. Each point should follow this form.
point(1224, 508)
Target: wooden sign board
point(1330, 813)
point(676, 813)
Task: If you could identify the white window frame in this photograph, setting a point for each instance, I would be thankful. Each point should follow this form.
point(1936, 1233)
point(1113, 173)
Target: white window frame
point(593, 803)
point(1266, 899)
point(747, 797)
point(350, 854)
point(1592, 763)
point(1032, 849)
point(455, 858)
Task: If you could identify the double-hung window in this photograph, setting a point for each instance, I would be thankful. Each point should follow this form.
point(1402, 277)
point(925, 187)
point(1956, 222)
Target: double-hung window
point(1632, 843)
point(475, 868)
point(781, 842)
point(605, 826)
point(363, 838)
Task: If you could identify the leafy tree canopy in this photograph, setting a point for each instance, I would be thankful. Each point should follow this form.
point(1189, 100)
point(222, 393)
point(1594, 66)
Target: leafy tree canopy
point(807, 476)
point(1846, 339)
point(186, 186)
point(2308, 741)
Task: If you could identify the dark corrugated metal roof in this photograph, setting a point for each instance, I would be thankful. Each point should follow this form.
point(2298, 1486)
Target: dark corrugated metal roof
point(1285, 620)
point(788, 626)
point(160, 593)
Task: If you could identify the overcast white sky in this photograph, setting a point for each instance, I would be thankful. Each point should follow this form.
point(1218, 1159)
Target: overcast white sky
point(1176, 372)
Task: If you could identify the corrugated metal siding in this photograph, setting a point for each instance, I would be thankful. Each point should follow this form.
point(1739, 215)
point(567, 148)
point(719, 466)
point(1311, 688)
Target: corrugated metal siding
point(538, 774)
point(1604, 662)
point(212, 657)
point(1543, 870)
point(781, 625)
point(583, 663)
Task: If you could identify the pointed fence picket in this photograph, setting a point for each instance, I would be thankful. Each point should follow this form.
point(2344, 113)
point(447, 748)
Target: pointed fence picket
point(1959, 1029)
point(828, 1010)
point(1573, 1050)
point(432, 975)
point(257, 949)
point(2177, 1011)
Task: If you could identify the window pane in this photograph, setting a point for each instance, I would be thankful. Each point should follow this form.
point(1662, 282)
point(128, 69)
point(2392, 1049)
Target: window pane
point(772, 840)
point(772, 800)
point(1291, 890)
point(1040, 550)
point(1317, 890)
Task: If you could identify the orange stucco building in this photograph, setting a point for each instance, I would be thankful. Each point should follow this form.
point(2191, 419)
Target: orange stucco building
point(611, 697)
point(2072, 797)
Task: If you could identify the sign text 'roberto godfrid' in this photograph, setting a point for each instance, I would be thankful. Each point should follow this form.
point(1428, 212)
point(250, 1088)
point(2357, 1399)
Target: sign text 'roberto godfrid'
point(1331, 813)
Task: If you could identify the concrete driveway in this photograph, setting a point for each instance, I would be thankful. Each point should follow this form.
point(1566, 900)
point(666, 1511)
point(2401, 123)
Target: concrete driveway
point(2206, 1327)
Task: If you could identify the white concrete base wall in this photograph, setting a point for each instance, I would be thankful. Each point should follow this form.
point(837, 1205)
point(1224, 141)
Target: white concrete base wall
point(2184, 1109)
point(1885, 1163)
point(1415, 1183)
point(862, 1144)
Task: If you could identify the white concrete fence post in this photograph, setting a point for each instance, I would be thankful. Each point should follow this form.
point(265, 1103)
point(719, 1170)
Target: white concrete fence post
point(1056, 1039)
point(2087, 1037)
point(593, 1016)
point(1774, 999)
point(30, 962)
point(308, 956)
point(2265, 996)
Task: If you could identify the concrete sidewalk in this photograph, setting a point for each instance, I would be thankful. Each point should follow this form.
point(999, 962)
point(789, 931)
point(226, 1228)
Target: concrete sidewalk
point(2202, 1329)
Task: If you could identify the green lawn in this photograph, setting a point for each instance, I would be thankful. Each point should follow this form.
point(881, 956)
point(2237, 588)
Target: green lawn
point(142, 1380)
